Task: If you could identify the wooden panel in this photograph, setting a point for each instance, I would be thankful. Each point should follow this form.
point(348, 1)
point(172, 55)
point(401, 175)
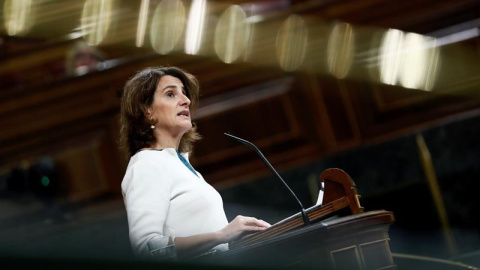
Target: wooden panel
point(39, 65)
point(338, 109)
point(385, 111)
point(83, 172)
point(30, 120)
point(347, 258)
point(51, 140)
point(218, 78)
point(263, 114)
point(416, 16)
point(87, 160)
point(376, 254)
point(377, 121)
point(324, 245)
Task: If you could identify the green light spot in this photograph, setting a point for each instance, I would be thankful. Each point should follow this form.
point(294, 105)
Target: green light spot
point(45, 181)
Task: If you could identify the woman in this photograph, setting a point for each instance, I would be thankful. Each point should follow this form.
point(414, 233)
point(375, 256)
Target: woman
point(171, 209)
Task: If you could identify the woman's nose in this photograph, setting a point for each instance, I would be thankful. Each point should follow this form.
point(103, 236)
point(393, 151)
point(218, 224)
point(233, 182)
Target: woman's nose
point(185, 100)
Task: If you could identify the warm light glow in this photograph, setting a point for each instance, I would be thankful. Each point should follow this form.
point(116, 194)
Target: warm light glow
point(291, 43)
point(167, 25)
point(419, 62)
point(432, 66)
point(231, 34)
point(390, 57)
point(17, 16)
point(96, 19)
point(340, 50)
point(142, 23)
point(196, 21)
point(409, 59)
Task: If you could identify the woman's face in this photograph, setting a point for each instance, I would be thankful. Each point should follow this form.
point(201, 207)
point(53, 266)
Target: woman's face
point(170, 107)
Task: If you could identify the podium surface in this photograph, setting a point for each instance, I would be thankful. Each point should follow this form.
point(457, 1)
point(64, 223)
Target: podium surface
point(359, 241)
point(337, 235)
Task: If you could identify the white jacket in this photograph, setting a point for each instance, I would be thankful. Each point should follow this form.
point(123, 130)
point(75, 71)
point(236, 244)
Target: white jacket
point(163, 198)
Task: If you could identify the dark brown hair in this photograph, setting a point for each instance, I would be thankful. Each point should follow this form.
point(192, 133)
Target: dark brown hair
point(137, 97)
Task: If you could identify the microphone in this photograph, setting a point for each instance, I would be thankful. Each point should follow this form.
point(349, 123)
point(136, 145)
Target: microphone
point(306, 221)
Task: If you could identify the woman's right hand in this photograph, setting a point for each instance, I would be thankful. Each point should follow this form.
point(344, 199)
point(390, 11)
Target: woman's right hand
point(241, 226)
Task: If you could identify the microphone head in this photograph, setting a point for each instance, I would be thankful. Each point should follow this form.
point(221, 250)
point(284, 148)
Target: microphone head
point(238, 139)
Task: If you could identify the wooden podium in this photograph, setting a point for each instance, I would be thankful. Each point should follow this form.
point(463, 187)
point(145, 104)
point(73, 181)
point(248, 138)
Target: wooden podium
point(340, 235)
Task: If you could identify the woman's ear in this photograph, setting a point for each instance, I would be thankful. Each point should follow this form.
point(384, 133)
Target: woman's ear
point(148, 112)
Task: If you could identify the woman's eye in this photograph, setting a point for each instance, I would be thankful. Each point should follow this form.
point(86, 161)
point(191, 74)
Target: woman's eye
point(170, 94)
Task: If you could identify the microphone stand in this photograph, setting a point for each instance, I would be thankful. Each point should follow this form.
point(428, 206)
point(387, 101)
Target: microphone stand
point(306, 221)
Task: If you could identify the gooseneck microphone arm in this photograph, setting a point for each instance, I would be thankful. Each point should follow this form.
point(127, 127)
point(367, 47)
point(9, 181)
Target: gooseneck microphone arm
point(257, 151)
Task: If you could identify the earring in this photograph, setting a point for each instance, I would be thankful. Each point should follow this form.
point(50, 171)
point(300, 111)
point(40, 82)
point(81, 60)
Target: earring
point(152, 126)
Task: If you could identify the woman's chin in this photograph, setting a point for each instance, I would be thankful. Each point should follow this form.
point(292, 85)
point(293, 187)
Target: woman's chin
point(187, 127)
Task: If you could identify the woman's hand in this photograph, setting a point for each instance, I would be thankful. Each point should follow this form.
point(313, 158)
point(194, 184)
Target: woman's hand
point(241, 226)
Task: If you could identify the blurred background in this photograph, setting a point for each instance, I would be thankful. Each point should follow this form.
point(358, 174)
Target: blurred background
point(386, 90)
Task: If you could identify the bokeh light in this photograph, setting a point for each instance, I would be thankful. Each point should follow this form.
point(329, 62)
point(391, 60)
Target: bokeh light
point(340, 50)
point(18, 16)
point(45, 181)
point(231, 34)
point(167, 25)
point(142, 23)
point(420, 62)
point(195, 25)
point(291, 43)
point(390, 57)
point(410, 60)
point(96, 19)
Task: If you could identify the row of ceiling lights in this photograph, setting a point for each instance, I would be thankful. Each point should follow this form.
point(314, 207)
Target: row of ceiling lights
point(406, 59)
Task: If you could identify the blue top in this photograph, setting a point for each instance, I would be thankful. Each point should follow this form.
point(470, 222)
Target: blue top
point(186, 163)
